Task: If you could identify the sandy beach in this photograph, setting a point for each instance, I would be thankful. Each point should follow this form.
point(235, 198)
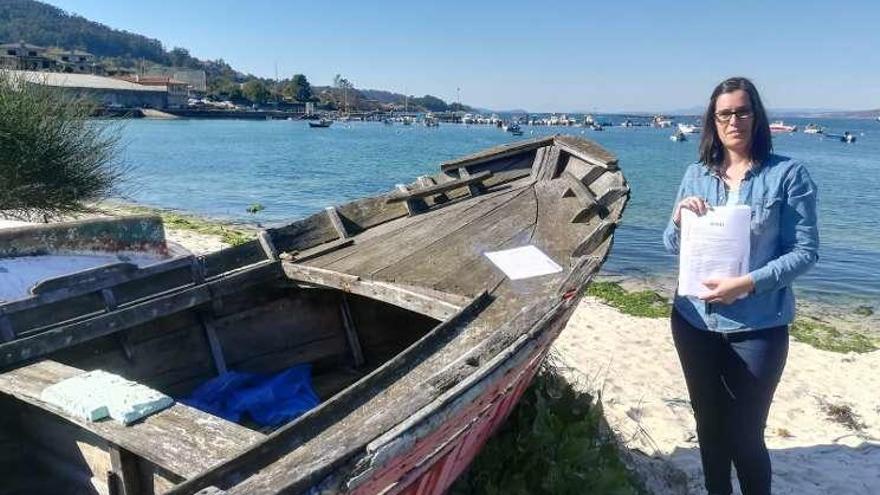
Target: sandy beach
point(815, 445)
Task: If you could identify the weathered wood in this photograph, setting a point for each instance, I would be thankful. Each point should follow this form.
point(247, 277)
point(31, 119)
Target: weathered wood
point(540, 157)
point(319, 250)
point(266, 244)
point(337, 222)
point(351, 333)
point(235, 257)
point(592, 240)
point(408, 237)
point(409, 298)
point(89, 277)
point(64, 291)
point(298, 436)
point(55, 338)
point(125, 478)
point(6, 331)
point(217, 358)
point(586, 150)
point(183, 440)
point(583, 171)
point(440, 188)
point(496, 153)
point(308, 232)
point(369, 212)
point(577, 188)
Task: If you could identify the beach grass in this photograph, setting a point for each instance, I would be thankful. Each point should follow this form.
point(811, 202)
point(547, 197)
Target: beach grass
point(823, 336)
point(180, 221)
point(554, 442)
point(644, 303)
point(806, 329)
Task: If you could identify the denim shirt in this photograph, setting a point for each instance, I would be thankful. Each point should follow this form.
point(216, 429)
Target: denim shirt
point(784, 242)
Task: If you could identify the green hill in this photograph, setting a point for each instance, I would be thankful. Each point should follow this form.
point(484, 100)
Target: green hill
point(41, 24)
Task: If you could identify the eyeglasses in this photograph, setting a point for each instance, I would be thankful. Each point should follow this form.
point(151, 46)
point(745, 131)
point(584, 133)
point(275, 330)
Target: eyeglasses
point(741, 114)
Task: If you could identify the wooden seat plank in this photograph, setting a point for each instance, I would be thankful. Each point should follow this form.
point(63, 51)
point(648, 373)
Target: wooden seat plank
point(439, 188)
point(180, 439)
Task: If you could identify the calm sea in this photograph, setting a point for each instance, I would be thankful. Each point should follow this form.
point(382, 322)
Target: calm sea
point(219, 168)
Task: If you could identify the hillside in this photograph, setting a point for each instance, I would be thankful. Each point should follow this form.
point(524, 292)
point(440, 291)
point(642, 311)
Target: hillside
point(44, 25)
point(41, 24)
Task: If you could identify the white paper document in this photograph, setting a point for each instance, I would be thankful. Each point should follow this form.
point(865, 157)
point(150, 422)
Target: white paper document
point(715, 245)
point(523, 262)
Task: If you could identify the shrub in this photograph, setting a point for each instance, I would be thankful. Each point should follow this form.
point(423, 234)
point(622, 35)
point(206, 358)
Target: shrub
point(53, 157)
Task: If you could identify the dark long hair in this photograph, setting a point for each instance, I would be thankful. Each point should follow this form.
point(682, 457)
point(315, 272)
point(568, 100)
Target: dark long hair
point(711, 149)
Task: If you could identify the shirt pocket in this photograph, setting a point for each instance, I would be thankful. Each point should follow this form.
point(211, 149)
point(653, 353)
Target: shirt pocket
point(766, 215)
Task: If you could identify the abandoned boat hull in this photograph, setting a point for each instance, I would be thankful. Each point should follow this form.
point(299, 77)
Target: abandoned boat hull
point(428, 345)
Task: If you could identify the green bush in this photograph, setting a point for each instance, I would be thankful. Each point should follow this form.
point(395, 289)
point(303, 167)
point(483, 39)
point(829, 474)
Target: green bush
point(53, 157)
point(552, 443)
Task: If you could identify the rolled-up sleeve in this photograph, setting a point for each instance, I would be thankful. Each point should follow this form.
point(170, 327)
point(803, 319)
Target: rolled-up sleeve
point(799, 235)
point(672, 234)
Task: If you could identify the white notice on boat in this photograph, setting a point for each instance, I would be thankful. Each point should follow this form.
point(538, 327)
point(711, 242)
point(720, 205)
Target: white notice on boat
point(523, 262)
point(715, 245)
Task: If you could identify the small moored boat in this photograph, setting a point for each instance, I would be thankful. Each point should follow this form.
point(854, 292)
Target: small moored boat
point(323, 123)
point(688, 129)
point(813, 129)
point(422, 315)
point(780, 127)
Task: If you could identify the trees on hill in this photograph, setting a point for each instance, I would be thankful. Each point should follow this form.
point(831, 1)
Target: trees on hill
point(297, 88)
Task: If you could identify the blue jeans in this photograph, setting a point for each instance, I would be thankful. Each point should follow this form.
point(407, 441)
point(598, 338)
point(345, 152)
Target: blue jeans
point(731, 378)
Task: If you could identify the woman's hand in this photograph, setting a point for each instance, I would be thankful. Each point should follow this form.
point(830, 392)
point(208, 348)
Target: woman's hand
point(696, 204)
point(727, 290)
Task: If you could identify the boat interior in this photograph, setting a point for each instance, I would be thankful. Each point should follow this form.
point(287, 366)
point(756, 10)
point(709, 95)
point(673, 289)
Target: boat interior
point(349, 291)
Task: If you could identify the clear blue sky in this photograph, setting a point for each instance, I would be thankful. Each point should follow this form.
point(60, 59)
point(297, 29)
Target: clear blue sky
point(616, 55)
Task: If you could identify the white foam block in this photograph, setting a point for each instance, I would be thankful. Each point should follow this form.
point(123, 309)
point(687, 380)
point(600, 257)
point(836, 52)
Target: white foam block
point(132, 401)
point(77, 396)
point(94, 395)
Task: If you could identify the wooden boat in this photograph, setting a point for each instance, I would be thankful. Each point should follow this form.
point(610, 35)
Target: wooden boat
point(419, 345)
point(321, 123)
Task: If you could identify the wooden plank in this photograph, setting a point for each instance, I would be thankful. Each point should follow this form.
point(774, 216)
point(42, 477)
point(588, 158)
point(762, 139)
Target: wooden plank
point(266, 244)
point(180, 439)
point(234, 257)
point(59, 337)
point(404, 238)
point(407, 298)
point(207, 322)
point(496, 153)
point(369, 212)
point(586, 150)
point(583, 171)
point(125, 479)
point(337, 222)
point(319, 250)
point(89, 277)
point(6, 332)
point(439, 188)
point(351, 333)
point(540, 156)
point(308, 232)
point(574, 187)
point(66, 292)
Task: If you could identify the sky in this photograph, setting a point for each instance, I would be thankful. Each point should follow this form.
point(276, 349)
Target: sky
point(540, 56)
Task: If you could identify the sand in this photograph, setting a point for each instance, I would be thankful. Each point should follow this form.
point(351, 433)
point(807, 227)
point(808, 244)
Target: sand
point(631, 365)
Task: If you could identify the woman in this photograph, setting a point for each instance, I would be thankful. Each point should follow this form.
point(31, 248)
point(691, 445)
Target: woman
point(733, 340)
